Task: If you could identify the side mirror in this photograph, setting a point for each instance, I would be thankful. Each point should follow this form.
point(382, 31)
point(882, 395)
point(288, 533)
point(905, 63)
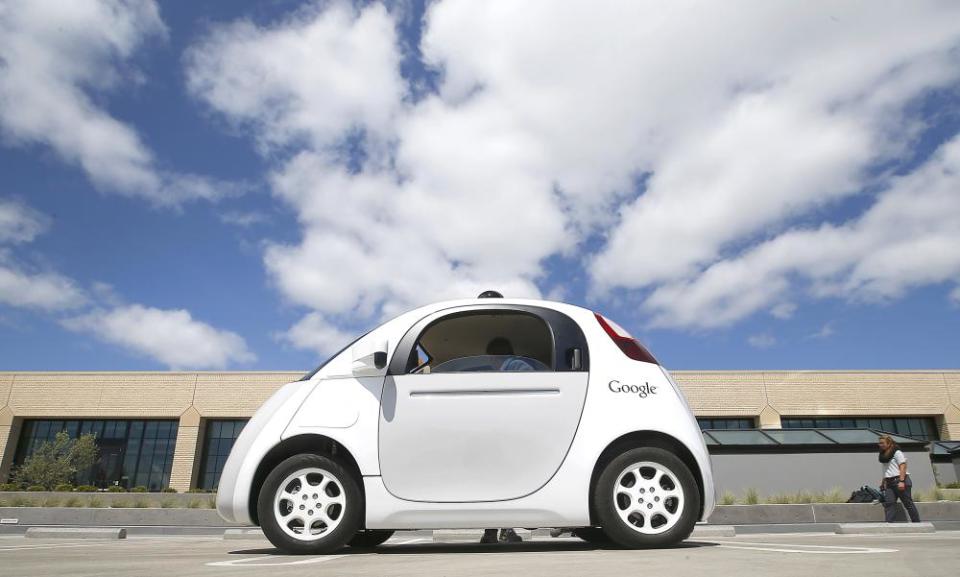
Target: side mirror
point(369, 359)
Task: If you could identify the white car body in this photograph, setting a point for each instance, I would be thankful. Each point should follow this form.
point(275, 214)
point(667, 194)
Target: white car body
point(462, 450)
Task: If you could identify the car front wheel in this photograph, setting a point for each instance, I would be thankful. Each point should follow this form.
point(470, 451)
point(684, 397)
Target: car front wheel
point(310, 504)
point(647, 497)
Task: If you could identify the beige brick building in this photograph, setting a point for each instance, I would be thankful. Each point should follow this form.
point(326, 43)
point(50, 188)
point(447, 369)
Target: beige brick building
point(168, 426)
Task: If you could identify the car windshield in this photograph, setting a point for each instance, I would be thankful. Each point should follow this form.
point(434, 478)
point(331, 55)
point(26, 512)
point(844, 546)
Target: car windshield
point(309, 375)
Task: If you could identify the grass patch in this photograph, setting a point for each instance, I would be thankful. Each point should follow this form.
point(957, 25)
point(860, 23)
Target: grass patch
point(728, 498)
point(751, 497)
point(194, 504)
point(19, 501)
point(212, 503)
point(168, 504)
point(72, 501)
point(120, 504)
point(95, 503)
point(50, 502)
point(140, 503)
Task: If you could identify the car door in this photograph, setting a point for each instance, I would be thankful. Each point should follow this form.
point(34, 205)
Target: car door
point(460, 425)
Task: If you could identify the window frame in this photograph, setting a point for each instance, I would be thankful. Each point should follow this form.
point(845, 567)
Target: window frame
point(565, 334)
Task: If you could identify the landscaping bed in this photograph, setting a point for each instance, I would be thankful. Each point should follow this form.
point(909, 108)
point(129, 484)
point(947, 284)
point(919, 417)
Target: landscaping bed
point(107, 500)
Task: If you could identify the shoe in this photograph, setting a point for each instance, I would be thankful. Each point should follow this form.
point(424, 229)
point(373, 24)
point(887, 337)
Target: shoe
point(509, 536)
point(489, 536)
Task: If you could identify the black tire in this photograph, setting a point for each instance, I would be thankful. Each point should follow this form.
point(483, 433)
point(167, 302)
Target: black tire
point(348, 517)
point(629, 534)
point(592, 535)
point(370, 538)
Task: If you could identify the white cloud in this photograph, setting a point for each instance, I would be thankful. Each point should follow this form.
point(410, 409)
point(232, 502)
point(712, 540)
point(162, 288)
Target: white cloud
point(546, 116)
point(47, 291)
point(761, 341)
point(314, 332)
point(20, 223)
point(826, 331)
point(171, 337)
point(783, 310)
point(57, 59)
point(319, 74)
point(23, 288)
point(242, 219)
point(907, 238)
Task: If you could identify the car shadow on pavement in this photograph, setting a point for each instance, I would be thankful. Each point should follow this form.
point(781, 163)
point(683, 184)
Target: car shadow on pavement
point(475, 548)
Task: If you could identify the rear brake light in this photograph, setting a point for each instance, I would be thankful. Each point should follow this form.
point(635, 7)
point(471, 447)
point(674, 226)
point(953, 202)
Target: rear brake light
point(629, 345)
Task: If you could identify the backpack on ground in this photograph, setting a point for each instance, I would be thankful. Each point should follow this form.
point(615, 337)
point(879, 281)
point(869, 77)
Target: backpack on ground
point(865, 494)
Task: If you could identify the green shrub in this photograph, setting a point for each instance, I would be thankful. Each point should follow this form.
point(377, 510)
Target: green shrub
point(952, 485)
point(115, 489)
point(211, 503)
point(139, 489)
point(751, 497)
point(168, 490)
point(9, 487)
point(168, 504)
point(36, 488)
point(64, 488)
point(86, 489)
point(193, 504)
point(728, 498)
point(56, 462)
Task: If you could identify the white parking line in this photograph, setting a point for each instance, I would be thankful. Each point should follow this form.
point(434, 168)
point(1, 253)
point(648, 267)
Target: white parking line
point(800, 548)
point(252, 561)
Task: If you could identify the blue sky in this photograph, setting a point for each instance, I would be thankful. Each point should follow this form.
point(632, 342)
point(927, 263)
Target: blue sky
point(214, 185)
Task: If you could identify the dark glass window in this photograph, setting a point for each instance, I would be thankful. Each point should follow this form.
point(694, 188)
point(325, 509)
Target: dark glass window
point(917, 427)
point(725, 423)
point(217, 442)
point(132, 453)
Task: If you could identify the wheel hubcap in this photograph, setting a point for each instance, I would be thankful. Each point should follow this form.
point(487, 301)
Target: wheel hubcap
point(309, 504)
point(648, 497)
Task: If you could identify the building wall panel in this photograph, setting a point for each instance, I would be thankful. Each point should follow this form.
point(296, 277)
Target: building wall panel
point(812, 393)
point(237, 394)
point(722, 394)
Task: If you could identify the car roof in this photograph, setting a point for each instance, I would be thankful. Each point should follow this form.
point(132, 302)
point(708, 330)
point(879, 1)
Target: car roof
point(554, 305)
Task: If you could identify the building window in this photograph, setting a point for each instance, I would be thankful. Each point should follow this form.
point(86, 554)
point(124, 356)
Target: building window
point(917, 427)
point(217, 442)
point(725, 423)
point(132, 452)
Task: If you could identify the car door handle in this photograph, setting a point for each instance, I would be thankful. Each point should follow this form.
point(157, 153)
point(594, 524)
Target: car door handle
point(484, 392)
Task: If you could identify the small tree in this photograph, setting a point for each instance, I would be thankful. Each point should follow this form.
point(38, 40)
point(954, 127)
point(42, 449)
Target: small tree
point(56, 462)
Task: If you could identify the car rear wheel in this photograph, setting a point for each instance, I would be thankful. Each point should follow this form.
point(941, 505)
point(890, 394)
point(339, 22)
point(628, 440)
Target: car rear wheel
point(370, 538)
point(647, 497)
point(310, 504)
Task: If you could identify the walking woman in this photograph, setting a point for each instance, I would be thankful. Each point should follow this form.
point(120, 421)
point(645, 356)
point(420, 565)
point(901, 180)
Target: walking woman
point(896, 481)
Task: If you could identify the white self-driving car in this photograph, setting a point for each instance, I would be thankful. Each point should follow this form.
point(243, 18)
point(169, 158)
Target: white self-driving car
point(479, 413)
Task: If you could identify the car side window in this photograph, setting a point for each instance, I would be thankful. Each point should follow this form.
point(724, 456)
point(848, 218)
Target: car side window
point(483, 341)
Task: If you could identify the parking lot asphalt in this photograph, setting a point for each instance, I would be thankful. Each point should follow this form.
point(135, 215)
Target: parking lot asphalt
point(412, 555)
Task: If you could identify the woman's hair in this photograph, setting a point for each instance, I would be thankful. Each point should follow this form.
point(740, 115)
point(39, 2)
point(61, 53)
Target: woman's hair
point(893, 444)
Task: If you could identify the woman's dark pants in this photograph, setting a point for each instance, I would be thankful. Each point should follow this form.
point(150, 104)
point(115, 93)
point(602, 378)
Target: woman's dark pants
point(890, 495)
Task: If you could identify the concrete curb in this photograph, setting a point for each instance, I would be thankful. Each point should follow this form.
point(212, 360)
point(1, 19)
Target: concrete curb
point(114, 517)
point(708, 531)
point(884, 528)
point(76, 533)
